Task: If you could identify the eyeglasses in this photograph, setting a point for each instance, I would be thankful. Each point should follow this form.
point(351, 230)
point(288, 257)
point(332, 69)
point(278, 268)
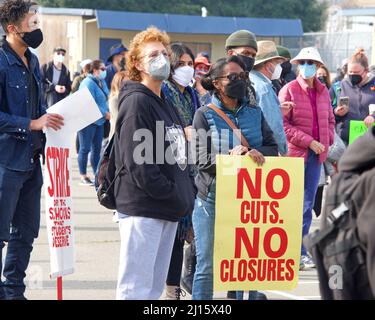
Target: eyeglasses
point(302, 62)
point(236, 76)
point(103, 69)
point(155, 54)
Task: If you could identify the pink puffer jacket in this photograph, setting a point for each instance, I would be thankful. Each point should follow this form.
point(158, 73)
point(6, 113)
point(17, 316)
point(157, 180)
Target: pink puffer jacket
point(298, 124)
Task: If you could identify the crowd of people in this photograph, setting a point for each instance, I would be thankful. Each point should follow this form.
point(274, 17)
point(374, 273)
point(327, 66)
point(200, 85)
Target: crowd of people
point(284, 106)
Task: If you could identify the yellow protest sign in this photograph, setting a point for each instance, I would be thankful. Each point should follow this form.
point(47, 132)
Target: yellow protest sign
point(258, 223)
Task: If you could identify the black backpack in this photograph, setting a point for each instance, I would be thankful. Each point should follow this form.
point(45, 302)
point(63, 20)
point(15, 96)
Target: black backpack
point(107, 175)
point(338, 253)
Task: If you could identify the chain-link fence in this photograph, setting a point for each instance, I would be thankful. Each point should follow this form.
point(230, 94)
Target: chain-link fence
point(333, 47)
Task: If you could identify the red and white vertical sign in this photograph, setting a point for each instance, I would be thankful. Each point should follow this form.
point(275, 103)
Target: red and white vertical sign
point(79, 110)
point(59, 208)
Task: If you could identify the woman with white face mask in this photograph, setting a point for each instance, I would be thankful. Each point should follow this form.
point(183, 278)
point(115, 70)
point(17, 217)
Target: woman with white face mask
point(185, 100)
point(309, 129)
point(177, 88)
point(154, 189)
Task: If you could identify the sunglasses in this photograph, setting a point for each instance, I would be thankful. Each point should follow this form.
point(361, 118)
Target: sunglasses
point(302, 62)
point(236, 76)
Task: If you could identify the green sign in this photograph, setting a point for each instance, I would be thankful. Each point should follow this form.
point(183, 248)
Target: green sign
point(357, 129)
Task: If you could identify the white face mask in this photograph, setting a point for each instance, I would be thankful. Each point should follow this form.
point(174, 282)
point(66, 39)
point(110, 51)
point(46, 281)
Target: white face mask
point(183, 75)
point(277, 73)
point(59, 58)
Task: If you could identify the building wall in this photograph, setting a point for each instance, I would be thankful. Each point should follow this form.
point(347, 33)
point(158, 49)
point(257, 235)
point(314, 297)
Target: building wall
point(81, 38)
point(64, 31)
point(93, 35)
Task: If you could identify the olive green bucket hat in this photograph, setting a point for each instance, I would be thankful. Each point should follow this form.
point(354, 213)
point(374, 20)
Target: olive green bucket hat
point(284, 52)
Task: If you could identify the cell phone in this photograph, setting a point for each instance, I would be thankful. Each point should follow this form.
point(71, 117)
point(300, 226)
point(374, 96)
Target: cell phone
point(344, 101)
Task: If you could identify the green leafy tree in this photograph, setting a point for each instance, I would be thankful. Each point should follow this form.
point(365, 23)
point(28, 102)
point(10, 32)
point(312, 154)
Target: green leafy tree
point(311, 12)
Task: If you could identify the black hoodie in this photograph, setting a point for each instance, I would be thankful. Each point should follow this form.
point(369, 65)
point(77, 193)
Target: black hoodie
point(360, 158)
point(161, 188)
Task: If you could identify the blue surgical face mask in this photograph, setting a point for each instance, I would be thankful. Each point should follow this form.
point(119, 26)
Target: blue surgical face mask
point(103, 74)
point(307, 71)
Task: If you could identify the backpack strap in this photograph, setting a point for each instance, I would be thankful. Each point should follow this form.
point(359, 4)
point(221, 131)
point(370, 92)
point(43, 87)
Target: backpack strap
point(230, 123)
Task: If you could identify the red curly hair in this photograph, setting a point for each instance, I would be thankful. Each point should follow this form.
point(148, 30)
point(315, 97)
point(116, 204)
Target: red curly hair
point(134, 55)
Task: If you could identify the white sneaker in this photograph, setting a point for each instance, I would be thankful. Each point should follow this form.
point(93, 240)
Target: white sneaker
point(307, 262)
point(86, 182)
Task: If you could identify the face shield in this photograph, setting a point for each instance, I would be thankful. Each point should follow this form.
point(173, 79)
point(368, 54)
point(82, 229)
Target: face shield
point(34, 20)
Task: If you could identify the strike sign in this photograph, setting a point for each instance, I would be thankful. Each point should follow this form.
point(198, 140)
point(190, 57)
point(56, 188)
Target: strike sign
point(79, 110)
point(258, 223)
point(59, 209)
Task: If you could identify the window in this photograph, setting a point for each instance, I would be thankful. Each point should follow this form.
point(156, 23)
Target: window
point(199, 47)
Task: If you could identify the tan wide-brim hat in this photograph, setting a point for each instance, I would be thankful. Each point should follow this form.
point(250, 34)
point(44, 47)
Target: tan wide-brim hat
point(267, 51)
point(309, 53)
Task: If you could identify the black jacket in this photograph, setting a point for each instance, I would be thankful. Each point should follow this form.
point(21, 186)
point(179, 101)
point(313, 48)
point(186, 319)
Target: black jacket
point(161, 187)
point(360, 158)
point(50, 96)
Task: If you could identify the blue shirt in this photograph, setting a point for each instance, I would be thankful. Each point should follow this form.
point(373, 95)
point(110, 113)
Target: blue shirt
point(270, 105)
point(100, 94)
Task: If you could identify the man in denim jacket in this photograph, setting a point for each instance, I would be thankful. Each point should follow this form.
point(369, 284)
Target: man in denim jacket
point(22, 120)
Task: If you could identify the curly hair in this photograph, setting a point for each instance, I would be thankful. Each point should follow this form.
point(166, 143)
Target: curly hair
point(133, 56)
point(14, 11)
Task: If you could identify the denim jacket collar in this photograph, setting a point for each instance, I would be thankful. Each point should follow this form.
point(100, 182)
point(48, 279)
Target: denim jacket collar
point(13, 58)
point(262, 77)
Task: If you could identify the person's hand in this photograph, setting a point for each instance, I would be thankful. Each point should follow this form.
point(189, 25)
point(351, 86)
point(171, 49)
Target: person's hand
point(286, 107)
point(341, 111)
point(369, 121)
point(107, 116)
point(188, 133)
point(317, 147)
point(238, 151)
point(49, 120)
point(60, 89)
point(257, 157)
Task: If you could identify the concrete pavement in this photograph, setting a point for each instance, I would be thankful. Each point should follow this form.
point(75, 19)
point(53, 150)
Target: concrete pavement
point(97, 249)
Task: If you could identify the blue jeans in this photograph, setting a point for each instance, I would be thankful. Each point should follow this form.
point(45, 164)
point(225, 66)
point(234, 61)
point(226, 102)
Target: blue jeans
point(20, 194)
point(312, 176)
point(90, 140)
point(204, 227)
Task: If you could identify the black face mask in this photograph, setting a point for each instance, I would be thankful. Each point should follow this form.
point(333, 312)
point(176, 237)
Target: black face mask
point(287, 67)
point(355, 79)
point(236, 89)
point(33, 39)
point(122, 64)
point(323, 79)
point(248, 61)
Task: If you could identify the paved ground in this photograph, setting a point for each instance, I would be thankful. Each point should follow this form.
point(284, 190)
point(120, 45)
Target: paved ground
point(97, 248)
